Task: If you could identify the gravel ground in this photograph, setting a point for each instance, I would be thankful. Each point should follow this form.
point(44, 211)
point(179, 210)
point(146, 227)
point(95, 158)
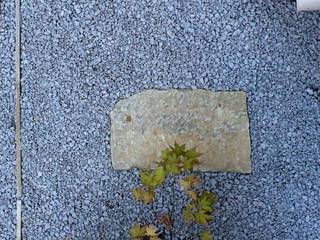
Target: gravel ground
point(81, 57)
point(7, 111)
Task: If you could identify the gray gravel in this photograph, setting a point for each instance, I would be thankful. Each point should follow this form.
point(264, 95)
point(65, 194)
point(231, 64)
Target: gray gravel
point(81, 57)
point(7, 109)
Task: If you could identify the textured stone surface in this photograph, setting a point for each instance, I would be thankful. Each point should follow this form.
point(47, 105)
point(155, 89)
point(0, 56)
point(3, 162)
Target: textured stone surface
point(215, 122)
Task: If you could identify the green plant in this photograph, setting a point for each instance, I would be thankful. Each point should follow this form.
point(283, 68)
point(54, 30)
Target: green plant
point(148, 231)
point(198, 210)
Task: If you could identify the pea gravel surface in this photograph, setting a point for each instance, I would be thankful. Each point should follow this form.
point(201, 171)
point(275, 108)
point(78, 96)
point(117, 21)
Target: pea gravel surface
point(81, 57)
point(7, 121)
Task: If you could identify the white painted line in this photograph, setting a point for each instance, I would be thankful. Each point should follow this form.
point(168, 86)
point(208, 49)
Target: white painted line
point(18, 122)
point(19, 220)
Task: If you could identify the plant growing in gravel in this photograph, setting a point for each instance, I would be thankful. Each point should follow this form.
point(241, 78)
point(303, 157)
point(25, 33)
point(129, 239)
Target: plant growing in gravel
point(198, 210)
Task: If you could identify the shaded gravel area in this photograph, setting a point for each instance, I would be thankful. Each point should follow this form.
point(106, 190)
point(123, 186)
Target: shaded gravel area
point(81, 57)
point(7, 121)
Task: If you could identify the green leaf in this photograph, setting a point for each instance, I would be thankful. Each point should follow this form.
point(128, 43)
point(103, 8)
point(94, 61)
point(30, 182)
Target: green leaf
point(165, 154)
point(153, 178)
point(209, 195)
point(159, 175)
point(144, 195)
point(206, 235)
point(172, 158)
point(152, 231)
point(138, 194)
point(146, 178)
point(202, 217)
point(178, 150)
point(206, 201)
point(137, 232)
point(187, 213)
point(192, 153)
point(189, 163)
point(173, 168)
point(171, 164)
point(148, 196)
point(190, 159)
point(205, 204)
point(177, 158)
point(189, 182)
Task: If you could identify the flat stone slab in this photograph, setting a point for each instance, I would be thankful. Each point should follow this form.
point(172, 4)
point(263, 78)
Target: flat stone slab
point(216, 123)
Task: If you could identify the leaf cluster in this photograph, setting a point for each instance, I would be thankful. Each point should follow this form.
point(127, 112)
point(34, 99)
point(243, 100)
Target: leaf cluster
point(139, 232)
point(150, 179)
point(177, 158)
point(174, 160)
point(200, 209)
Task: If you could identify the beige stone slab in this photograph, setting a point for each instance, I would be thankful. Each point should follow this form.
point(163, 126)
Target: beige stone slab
point(215, 122)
